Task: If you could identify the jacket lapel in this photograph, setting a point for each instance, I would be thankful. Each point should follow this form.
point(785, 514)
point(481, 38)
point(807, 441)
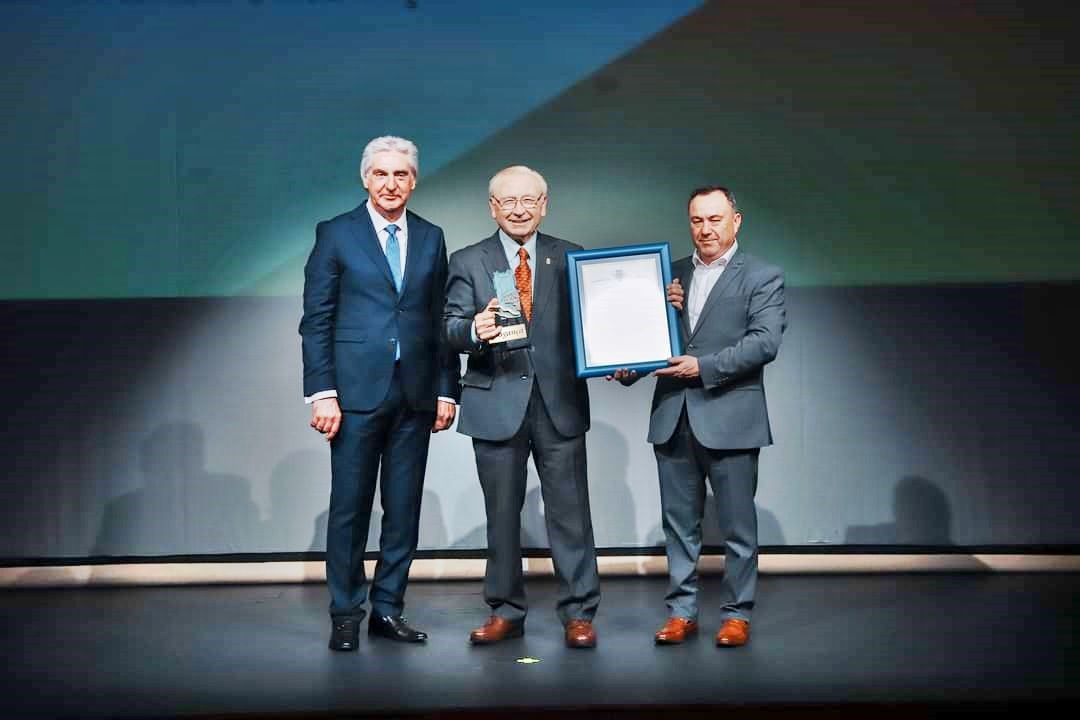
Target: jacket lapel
point(733, 269)
point(364, 231)
point(494, 260)
point(413, 250)
point(544, 273)
point(685, 273)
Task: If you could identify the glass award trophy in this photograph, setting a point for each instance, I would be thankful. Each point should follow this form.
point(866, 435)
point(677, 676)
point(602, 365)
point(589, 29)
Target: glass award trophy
point(508, 315)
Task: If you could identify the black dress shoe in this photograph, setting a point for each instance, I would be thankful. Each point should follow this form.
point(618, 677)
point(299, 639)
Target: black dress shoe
point(394, 627)
point(344, 634)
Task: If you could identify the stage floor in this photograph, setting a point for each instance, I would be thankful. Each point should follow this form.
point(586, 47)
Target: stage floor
point(908, 644)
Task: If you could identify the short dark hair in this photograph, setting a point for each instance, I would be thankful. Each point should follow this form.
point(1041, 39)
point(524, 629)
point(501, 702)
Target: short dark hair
point(709, 190)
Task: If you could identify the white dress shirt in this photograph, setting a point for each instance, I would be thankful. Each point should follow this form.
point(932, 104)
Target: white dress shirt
point(705, 277)
point(402, 233)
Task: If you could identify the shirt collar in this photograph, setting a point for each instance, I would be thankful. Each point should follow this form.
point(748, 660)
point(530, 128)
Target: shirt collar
point(718, 262)
point(510, 245)
point(380, 222)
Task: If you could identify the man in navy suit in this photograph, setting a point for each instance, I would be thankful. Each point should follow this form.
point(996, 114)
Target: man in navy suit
point(379, 381)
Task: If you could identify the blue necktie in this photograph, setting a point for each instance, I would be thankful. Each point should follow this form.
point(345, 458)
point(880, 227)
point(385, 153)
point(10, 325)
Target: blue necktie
point(393, 254)
point(393, 257)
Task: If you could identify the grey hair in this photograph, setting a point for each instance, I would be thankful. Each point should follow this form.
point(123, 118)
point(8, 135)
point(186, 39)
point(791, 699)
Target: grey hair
point(514, 169)
point(390, 143)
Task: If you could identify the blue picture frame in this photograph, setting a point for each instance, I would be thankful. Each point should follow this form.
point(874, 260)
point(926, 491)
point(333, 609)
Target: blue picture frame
point(575, 260)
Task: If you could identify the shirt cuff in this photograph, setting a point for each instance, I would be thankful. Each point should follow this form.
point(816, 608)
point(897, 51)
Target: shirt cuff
point(321, 395)
point(450, 400)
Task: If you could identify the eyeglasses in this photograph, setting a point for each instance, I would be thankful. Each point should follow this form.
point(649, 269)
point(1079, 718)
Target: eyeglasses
point(509, 203)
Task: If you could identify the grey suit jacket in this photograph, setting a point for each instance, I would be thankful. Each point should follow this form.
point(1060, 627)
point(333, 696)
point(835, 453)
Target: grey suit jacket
point(737, 334)
point(497, 383)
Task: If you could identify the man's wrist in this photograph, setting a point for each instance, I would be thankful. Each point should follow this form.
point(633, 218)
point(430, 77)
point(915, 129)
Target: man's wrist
point(321, 395)
point(478, 344)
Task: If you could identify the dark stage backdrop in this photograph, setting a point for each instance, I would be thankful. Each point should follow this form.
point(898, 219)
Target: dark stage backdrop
point(909, 165)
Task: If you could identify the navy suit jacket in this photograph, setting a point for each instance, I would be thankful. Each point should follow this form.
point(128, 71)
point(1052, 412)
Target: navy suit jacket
point(353, 315)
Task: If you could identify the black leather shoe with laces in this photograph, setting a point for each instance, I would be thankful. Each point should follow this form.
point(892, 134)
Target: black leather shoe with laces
point(344, 634)
point(394, 627)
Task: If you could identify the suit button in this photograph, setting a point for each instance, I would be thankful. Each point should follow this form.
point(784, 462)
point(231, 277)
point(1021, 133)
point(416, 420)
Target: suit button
point(524, 377)
point(690, 346)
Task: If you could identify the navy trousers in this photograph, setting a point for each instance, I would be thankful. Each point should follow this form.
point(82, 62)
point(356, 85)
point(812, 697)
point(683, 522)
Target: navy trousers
point(388, 446)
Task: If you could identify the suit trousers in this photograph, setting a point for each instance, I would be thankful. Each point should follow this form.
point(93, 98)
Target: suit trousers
point(682, 465)
point(395, 437)
point(560, 463)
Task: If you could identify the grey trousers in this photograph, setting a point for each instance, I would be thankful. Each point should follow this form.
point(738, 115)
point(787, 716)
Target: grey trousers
point(560, 462)
point(682, 465)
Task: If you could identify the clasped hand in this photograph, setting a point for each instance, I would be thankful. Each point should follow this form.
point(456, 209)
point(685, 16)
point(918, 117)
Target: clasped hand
point(484, 321)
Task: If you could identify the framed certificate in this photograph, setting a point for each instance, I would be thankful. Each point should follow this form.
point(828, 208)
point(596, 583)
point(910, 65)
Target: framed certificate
point(619, 309)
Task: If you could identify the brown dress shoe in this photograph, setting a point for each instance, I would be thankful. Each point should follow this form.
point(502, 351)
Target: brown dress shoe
point(675, 631)
point(733, 633)
point(580, 634)
point(496, 629)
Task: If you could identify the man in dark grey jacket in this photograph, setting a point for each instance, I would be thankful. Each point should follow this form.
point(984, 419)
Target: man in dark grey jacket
point(709, 417)
point(523, 397)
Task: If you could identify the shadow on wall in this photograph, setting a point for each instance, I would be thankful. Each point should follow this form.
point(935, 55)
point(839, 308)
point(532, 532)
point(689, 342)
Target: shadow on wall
point(921, 517)
point(474, 539)
point(614, 514)
point(318, 536)
point(181, 507)
point(299, 492)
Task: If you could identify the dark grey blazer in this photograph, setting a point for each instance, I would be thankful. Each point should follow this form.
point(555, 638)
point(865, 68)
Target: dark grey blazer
point(497, 383)
point(737, 334)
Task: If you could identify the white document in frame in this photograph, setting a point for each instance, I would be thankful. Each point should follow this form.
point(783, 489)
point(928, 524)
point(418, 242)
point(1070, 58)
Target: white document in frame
point(623, 311)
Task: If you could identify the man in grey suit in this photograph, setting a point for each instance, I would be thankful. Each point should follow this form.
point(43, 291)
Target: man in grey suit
point(709, 417)
point(524, 397)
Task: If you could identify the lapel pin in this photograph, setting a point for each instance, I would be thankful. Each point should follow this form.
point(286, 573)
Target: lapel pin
point(547, 261)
